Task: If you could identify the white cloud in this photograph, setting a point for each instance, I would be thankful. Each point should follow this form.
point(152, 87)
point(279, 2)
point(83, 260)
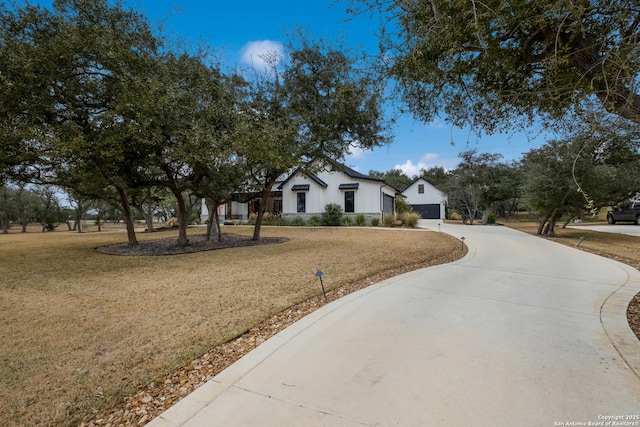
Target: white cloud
point(356, 152)
point(425, 162)
point(255, 53)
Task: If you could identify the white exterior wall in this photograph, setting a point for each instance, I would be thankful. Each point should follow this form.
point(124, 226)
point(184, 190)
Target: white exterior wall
point(238, 211)
point(430, 196)
point(368, 197)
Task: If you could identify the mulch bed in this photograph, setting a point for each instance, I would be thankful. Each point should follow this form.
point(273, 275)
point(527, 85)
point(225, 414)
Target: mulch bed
point(633, 315)
point(197, 243)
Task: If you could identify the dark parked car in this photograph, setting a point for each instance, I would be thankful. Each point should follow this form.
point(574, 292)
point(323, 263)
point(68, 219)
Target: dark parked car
point(630, 212)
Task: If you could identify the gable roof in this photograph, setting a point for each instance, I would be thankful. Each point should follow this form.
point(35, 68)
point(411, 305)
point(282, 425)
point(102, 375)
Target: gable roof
point(337, 167)
point(422, 179)
point(311, 176)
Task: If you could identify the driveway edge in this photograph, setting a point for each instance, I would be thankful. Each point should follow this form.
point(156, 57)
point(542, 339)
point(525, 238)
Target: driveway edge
point(613, 317)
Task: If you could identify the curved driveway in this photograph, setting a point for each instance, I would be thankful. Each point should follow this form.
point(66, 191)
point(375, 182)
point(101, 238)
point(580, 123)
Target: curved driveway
point(631, 230)
point(522, 331)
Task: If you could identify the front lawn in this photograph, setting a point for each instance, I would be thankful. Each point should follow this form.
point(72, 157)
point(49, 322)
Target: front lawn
point(81, 330)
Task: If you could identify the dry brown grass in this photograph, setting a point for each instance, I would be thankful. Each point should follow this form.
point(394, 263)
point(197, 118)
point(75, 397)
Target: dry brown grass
point(81, 330)
point(620, 247)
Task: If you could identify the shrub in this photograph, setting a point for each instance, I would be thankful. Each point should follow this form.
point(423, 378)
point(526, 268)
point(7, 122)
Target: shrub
point(314, 221)
point(388, 219)
point(375, 222)
point(410, 219)
point(297, 222)
point(492, 218)
point(346, 221)
point(402, 206)
point(361, 220)
point(332, 214)
point(267, 219)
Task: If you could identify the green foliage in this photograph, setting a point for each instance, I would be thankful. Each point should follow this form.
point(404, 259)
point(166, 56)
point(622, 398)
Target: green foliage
point(347, 221)
point(480, 183)
point(583, 172)
point(409, 219)
point(402, 206)
point(314, 221)
point(375, 222)
point(492, 218)
point(436, 176)
point(297, 222)
point(394, 177)
point(361, 220)
point(332, 214)
point(489, 64)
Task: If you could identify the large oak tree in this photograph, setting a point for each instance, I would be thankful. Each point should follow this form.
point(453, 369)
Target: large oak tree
point(487, 63)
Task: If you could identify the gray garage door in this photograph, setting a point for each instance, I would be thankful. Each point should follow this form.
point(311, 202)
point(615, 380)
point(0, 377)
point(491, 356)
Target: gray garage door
point(427, 211)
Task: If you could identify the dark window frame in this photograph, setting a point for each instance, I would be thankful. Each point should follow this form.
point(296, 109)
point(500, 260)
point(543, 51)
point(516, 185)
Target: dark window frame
point(350, 205)
point(301, 202)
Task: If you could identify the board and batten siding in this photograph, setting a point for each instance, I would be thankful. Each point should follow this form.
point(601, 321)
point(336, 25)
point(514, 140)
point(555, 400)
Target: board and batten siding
point(368, 195)
point(431, 195)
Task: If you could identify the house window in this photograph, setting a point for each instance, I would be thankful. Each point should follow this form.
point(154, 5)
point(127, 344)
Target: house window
point(277, 206)
point(302, 202)
point(420, 188)
point(349, 201)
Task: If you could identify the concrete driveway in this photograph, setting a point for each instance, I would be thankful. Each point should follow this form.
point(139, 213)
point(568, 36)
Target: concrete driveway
point(522, 331)
point(623, 228)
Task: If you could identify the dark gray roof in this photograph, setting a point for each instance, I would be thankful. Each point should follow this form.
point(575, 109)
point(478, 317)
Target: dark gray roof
point(300, 187)
point(349, 186)
point(311, 176)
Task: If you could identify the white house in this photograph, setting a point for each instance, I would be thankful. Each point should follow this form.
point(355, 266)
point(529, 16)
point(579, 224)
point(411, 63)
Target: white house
point(425, 199)
point(305, 195)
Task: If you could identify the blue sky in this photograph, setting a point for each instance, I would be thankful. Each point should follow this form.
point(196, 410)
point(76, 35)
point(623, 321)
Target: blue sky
point(241, 30)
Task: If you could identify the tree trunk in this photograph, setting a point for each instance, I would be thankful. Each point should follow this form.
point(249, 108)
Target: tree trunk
point(217, 217)
point(266, 192)
point(543, 222)
point(564, 225)
point(211, 208)
point(126, 214)
point(181, 215)
point(148, 218)
point(485, 215)
point(550, 229)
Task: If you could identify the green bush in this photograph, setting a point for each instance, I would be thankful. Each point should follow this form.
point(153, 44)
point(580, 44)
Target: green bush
point(361, 220)
point(332, 214)
point(402, 206)
point(346, 221)
point(375, 222)
point(410, 219)
point(492, 218)
point(297, 222)
point(314, 221)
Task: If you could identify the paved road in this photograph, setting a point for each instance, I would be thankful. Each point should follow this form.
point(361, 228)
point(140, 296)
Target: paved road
point(521, 332)
point(631, 230)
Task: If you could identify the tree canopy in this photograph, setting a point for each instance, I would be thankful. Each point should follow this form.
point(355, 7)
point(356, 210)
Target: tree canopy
point(484, 64)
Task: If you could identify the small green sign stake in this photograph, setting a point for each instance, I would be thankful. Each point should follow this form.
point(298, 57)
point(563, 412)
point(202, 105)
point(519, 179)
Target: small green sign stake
point(319, 275)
